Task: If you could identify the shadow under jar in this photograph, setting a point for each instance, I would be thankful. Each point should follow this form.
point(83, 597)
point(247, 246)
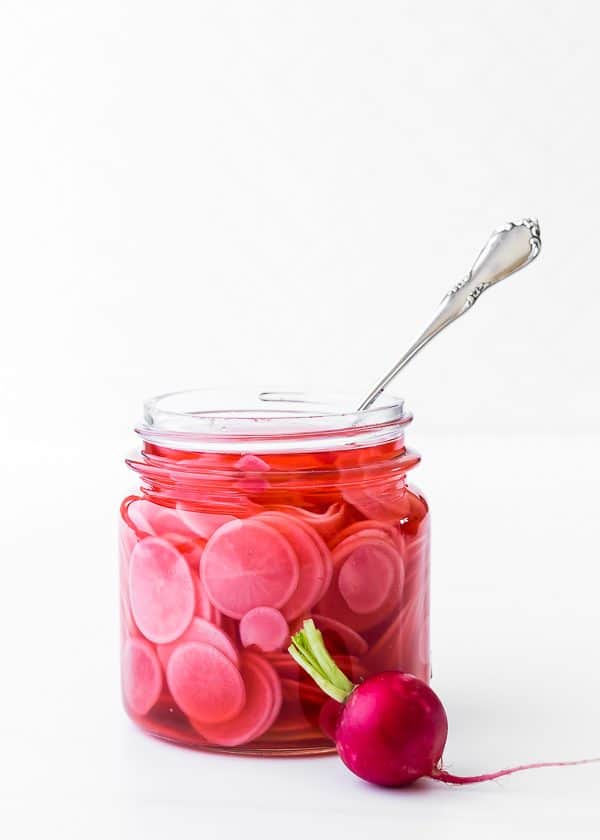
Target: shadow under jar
point(256, 512)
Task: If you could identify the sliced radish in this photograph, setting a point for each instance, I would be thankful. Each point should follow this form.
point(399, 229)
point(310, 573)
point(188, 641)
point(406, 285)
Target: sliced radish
point(264, 627)
point(312, 567)
point(384, 529)
point(326, 523)
point(248, 564)
point(205, 684)
point(201, 630)
point(203, 524)
point(251, 463)
point(250, 722)
point(275, 683)
point(161, 590)
point(350, 640)
point(367, 575)
point(252, 483)
point(139, 513)
point(141, 675)
point(335, 605)
point(322, 548)
point(204, 608)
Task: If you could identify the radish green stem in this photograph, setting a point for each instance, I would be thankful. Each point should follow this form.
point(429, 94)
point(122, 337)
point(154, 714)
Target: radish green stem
point(309, 651)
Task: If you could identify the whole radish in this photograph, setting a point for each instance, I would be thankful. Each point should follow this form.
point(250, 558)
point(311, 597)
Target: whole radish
point(390, 729)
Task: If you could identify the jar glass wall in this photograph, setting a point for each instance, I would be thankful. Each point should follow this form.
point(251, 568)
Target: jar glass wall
point(254, 513)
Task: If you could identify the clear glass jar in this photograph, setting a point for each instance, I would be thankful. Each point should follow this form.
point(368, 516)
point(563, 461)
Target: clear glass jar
point(254, 513)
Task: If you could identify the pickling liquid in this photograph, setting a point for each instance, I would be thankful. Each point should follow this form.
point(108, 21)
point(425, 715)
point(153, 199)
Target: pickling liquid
point(222, 557)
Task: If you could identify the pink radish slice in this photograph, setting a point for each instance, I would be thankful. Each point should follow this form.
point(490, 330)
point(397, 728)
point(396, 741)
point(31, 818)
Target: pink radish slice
point(204, 608)
point(141, 674)
point(161, 590)
point(378, 502)
point(389, 530)
point(334, 605)
point(351, 640)
point(274, 682)
point(138, 511)
point(205, 684)
point(323, 551)
point(326, 524)
point(312, 570)
point(252, 483)
point(250, 721)
point(264, 627)
point(366, 576)
point(201, 630)
point(193, 557)
point(248, 564)
point(203, 524)
point(251, 463)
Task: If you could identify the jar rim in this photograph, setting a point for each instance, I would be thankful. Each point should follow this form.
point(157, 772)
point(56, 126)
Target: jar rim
point(248, 420)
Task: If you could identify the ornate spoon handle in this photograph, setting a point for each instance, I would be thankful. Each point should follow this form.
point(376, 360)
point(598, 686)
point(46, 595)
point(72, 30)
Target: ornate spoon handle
point(509, 249)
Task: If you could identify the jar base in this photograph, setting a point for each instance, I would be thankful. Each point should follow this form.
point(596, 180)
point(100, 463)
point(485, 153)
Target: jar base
point(312, 748)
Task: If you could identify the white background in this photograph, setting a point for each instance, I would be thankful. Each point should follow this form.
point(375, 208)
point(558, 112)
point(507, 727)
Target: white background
point(204, 193)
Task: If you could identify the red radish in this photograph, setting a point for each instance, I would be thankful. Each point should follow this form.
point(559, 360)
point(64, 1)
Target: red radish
point(391, 728)
point(161, 590)
point(312, 571)
point(264, 627)
point(142, 677)
point(205, 684)
point(248, 564)
point(201, 630)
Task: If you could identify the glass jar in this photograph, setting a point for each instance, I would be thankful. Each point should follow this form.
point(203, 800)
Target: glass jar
point(254, 513)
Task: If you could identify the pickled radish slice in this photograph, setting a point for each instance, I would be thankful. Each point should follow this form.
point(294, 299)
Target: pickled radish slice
point(312, 568)
point(252, 483)
point(370, 527)
point(264, 627)
point(201, 630)
point(161, 590)
point(251, 721)
point(139, 513)
point(352, 642)
point(274, 682)
point(322, 548)
point(141, 674)
point(204, 608)
point(205, 684)
point(378, 502)
point(251, 463)
point(334, 604)
point(366, 577)
point(203, 524)
point(326, 524)
point(248, 564)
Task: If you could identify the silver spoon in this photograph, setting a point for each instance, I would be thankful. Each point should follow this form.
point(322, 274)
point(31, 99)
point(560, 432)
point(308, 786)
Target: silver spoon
point(507, 250)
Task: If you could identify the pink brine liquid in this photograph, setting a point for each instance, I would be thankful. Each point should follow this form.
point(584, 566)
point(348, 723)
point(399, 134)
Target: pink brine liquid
point(223, 556)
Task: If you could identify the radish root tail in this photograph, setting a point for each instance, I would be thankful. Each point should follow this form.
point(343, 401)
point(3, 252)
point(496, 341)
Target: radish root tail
point(449, 778)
